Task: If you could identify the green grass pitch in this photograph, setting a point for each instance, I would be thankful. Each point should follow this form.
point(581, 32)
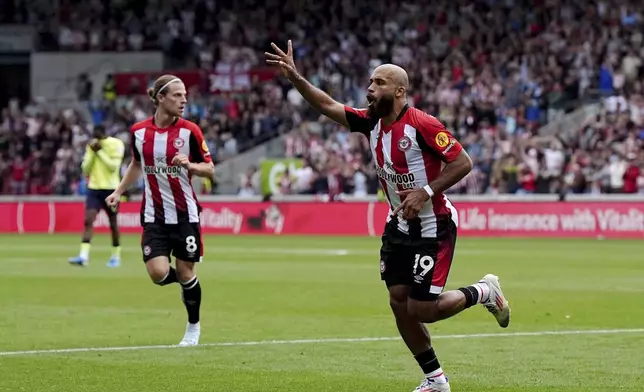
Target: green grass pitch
point(317, 289)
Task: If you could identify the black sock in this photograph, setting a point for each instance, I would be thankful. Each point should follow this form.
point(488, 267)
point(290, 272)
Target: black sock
point(171, 277)
point(471, 295)
point(427, 361)
point(191, 295)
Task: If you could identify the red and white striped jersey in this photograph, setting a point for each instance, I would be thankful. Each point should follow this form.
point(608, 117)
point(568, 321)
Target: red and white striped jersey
point(409, 154)
point(169, 197)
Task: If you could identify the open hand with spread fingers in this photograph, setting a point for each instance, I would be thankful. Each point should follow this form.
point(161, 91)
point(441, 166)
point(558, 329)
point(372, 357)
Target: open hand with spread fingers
point(283, 60)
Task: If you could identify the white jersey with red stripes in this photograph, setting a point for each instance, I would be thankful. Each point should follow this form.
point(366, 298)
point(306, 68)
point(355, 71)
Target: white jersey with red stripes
point(409, 154)
point(169, 197)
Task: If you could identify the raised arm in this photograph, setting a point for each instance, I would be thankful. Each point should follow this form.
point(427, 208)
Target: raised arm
point(317, 98)
point(88, 160)
point(114, 158)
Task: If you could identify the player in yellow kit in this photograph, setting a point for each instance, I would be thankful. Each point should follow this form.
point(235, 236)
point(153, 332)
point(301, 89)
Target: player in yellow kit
point(102, 164)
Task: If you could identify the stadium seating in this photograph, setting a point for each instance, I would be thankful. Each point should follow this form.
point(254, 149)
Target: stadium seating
point(494, 74)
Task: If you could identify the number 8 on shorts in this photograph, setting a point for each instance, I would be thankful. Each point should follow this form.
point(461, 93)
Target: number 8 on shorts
point(191, 244)
point(187, 244)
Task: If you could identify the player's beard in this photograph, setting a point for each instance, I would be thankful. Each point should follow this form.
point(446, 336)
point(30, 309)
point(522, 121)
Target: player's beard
point(382, 107)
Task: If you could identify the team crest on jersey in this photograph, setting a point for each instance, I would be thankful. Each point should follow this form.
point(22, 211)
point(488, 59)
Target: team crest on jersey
point(442, 140)
point(404, 143)
point(178, 142)
point(147, 250)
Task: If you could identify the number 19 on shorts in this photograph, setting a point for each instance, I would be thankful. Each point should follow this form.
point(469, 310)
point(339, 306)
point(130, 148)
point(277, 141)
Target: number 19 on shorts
point(426, 263)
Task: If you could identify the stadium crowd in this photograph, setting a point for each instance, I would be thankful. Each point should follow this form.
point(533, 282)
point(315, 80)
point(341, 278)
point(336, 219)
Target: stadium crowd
point(492, 71)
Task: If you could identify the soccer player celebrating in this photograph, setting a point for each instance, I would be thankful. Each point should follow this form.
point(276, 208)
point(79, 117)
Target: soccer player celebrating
point(410, 149)
point(102, 161)
point(168, 150)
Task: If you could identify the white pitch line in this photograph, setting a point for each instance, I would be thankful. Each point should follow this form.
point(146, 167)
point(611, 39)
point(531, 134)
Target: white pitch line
point(263, 250)
point(293, 251)
point(329, 340)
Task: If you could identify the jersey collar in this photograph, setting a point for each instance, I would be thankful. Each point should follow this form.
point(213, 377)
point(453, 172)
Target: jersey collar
point(402, 112)
point(176, 120)
point(386, 128)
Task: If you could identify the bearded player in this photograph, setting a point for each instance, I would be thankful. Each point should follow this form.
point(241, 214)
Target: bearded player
point(168, 151)
point(416, 159)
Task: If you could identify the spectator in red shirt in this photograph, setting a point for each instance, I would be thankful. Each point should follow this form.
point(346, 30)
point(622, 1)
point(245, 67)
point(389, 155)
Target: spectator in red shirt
point(527, 180)
point(631, 175)
point(18, 176)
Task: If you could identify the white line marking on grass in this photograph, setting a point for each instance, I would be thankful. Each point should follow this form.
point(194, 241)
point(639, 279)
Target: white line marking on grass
point(258, 249)
point(329, 340)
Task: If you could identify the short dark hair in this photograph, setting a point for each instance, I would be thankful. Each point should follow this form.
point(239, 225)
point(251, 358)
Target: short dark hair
point(99, 129)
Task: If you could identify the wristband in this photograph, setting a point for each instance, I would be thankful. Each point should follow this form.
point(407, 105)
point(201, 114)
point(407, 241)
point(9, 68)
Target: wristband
point(429, 190)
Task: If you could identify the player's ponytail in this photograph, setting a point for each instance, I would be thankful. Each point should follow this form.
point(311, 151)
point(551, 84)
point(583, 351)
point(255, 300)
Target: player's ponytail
point(161, 87)
point(152, 97)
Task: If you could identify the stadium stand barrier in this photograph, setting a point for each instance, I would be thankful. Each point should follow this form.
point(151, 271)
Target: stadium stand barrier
point(567, 126)
point(589, 216)
point(53, 76)
point(227, 172)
